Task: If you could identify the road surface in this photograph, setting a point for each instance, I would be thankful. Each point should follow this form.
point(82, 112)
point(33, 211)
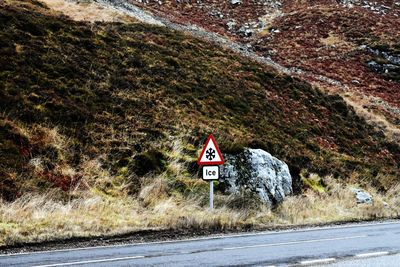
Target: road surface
point(387, 261)
point(377, 244)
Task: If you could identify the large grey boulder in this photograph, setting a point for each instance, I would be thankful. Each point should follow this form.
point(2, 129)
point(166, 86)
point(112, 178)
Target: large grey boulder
point(362, 196)
point(258, 171)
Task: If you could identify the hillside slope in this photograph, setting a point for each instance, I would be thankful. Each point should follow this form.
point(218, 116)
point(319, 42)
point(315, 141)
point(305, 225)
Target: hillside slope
point(122, 95)
point(348, 47)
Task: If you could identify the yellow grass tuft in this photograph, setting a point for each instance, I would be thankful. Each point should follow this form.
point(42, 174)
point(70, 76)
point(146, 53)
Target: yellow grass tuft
point(335, 40)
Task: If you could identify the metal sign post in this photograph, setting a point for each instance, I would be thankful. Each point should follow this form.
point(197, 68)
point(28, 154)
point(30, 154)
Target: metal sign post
point(210, 157)
point(211, 194)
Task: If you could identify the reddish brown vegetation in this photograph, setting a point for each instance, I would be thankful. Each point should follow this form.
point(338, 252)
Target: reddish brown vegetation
point(320, 37)
point(299, 45)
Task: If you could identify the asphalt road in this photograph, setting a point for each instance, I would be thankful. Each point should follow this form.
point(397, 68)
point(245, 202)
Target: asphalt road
point(353, 245)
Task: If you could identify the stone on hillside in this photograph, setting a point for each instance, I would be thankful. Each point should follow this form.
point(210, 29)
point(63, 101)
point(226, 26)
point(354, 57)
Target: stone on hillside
point(258, 171)
point(231, 25)
point(245, 31)
point(236, 2)
point(362, 196)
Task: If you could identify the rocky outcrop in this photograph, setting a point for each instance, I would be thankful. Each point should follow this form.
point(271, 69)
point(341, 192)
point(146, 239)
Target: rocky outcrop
point(258, 171)
point(132, 10)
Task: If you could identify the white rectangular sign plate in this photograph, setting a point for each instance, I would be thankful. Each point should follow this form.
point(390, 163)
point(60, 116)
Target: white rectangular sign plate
point(210, 173)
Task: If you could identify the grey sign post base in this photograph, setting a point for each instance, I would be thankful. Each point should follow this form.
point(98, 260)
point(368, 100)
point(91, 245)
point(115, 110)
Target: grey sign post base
point(211, 195)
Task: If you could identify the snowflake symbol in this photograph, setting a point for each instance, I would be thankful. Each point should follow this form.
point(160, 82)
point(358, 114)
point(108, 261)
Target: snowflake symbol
point(210, 154)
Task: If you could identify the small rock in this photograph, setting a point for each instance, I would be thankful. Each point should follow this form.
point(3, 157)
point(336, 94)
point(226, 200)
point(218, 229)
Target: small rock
point(236, 2)
point(231, 25)
point(245, 31)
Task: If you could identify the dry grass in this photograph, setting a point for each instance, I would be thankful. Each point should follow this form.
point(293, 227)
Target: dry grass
point(358, 102)
point(34, 218)
point(335, 40)
point(337, 204)
point(87, 11)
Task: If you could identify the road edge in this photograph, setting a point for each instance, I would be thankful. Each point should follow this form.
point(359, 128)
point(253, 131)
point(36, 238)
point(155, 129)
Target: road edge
point(176, 235)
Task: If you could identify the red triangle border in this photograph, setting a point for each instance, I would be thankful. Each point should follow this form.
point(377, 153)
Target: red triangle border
point(210, 137)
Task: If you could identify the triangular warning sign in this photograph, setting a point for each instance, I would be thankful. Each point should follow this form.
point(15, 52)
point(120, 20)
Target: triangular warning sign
point(210, 155)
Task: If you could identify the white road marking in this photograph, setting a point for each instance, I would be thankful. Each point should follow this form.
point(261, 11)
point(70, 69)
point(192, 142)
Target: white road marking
point(317, 261)
point(89, 261)
point(277, 232)
point(296, 242)
point(372, 254)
